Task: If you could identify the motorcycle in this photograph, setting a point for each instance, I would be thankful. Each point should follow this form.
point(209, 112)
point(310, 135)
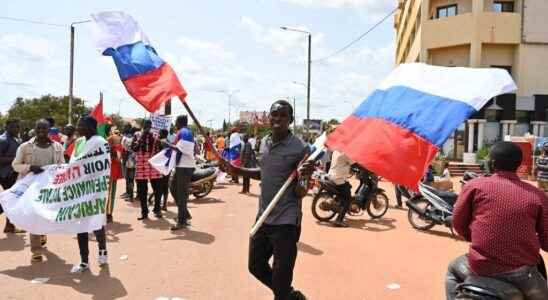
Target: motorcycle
point(431, 207)
point(487, 288)
point(368, 197)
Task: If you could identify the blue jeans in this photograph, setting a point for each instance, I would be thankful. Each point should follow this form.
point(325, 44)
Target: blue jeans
point(527, 279)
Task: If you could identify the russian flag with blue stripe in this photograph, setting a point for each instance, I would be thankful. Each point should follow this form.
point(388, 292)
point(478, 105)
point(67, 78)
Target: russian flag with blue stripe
point(398, 130)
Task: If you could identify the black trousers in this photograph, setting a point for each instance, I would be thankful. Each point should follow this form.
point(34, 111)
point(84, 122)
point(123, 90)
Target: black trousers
point(6, 183)
point(246, 184)
point(165, 189)
point(180, 192)
point(142, 194)
point(345, 191)
point(279, 241)
point(83, 243)
point(130, 182)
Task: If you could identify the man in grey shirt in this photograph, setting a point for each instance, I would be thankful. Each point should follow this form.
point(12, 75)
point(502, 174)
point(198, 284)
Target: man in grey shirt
point(279, 235)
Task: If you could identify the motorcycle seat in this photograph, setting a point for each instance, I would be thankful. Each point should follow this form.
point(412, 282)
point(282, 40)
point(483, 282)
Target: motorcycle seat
point(491, 287)
point(448, 197)
point(202, 173)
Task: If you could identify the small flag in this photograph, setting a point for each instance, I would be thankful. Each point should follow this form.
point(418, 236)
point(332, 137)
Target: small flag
point(97, 114)
point(399, 128)
point(146, 77)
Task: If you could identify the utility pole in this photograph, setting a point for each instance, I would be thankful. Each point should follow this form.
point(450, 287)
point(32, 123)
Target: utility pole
point(308, 86)
point(71, 76)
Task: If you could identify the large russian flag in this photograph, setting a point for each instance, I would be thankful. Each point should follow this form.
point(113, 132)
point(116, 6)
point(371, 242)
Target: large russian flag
point(146, 77)
point(399, 128)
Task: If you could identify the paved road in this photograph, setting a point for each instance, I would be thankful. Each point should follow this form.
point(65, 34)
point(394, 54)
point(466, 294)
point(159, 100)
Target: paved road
point(209, 261)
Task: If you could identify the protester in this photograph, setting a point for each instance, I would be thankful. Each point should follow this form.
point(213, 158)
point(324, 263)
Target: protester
point(145, 145)
point(248, 161)
point(68, 142)
point(115, 143)
point(339, 174)
point(220, 143)
point(542, 168)
point(279, 235)
point(208, 144)
point(253, 142)
point(165, 178)
point(9, 142)
point(235, 147)
point(87, 128)
point(185, 164)
point(506, 221)
point(31, 157)
point(128, 160)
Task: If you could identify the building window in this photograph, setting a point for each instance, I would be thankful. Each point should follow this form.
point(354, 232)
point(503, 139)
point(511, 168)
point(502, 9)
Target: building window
point(447, 11)
point(503, 6)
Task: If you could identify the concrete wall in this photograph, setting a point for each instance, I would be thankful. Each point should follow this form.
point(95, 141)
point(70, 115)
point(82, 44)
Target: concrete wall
point(497, 55)
point(532, 69)
point(535, 25)
point(458, 56)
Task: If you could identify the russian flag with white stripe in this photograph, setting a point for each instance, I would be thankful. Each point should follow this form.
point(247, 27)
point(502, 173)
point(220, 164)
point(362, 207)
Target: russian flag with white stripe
point(398, 130)
point(146, 77)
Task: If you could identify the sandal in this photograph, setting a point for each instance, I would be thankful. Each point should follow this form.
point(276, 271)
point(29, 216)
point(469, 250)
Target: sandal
point(43, 240)
point(36, 258)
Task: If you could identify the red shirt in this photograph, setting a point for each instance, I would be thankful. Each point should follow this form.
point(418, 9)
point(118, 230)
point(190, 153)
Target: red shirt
point(145, 147)
point(506, 221)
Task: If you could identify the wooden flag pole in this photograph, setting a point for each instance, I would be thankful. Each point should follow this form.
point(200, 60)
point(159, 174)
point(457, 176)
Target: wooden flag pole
point(200, 128)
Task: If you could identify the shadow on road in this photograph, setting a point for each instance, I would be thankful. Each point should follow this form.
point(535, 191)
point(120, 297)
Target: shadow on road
point(206, 200)
point(306, 248)
point(13, 242)
point(194, 236)
point(374, 225)
point(116, 228)
point(101, 286)
point(444, 234)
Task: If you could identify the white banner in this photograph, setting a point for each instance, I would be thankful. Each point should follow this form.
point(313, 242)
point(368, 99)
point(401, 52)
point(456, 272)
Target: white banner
point(67, 198)
point(160, 122)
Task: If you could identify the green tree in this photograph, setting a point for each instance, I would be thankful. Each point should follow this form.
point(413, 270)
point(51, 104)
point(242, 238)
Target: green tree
point(30, 110)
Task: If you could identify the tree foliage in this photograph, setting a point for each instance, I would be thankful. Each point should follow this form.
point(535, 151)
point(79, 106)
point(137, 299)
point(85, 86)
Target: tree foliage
point(31, 110)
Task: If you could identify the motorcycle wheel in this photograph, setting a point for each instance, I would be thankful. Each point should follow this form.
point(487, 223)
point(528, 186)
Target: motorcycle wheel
point(206, 189)
point(318, 213)
point(415, 219)
point(377, 206)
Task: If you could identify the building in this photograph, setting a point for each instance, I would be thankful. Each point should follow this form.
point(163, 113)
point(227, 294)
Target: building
point(512, 35)
point(253, 117)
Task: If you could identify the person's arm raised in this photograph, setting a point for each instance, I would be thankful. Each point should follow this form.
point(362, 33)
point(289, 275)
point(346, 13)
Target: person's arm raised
point(226, 166)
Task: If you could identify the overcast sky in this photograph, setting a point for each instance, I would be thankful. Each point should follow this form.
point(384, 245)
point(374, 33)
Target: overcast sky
point(226, 45)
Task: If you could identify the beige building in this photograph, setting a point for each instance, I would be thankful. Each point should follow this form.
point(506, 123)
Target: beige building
point(484, 33)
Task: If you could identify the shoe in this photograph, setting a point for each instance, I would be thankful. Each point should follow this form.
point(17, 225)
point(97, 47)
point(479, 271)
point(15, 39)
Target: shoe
point(103, 257)
point(109, 219)
point(340, 223)
point(296, 295)
point(43, 240)
point(180, 226)
point(142, 218)
point(77, 269)
point(36, 258)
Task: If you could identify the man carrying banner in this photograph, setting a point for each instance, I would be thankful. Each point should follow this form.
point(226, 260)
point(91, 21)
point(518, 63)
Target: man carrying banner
point(279, 235)
point(87, 129)
point(31, 157)
point(9, 142)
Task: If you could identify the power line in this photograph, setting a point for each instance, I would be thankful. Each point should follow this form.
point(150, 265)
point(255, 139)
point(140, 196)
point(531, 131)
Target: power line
point(32, 21)
point(358, 38)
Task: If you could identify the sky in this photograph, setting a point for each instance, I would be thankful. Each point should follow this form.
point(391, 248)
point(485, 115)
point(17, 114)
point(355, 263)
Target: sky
point(235, 46)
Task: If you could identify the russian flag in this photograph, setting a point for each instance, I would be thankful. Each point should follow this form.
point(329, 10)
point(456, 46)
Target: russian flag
point(397, 131)
point(146, 77)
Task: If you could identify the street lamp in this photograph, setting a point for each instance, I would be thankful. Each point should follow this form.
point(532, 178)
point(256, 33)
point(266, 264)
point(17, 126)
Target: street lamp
point(229, 95)
point(71, 76)
point(308, 78)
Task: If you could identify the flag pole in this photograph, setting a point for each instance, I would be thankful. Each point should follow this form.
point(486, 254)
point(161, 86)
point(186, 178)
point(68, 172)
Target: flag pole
point(200, 128)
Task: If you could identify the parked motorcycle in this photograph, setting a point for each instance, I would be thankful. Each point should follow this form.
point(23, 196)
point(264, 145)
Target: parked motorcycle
point(488, 288)
point(431, 207)
point(201, 183)
point(368, 197)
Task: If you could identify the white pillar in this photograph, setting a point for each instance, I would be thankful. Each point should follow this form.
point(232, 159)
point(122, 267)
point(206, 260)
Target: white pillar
point(481, 133)
point(511, 129)
point(471, 136)
point(538, 128)
point(504, 129)
point(541, 130)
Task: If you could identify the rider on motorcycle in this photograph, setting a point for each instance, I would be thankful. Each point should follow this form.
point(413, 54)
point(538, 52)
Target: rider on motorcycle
point(506, 222)
point(338, 174)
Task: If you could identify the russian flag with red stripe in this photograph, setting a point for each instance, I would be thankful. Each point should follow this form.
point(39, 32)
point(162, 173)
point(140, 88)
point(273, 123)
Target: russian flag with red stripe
point(146, 77)
point(398, 130)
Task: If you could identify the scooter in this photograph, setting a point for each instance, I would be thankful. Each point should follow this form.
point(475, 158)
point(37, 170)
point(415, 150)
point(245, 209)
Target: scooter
point(487, 288)
point(368, 197)
point(431, 207)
